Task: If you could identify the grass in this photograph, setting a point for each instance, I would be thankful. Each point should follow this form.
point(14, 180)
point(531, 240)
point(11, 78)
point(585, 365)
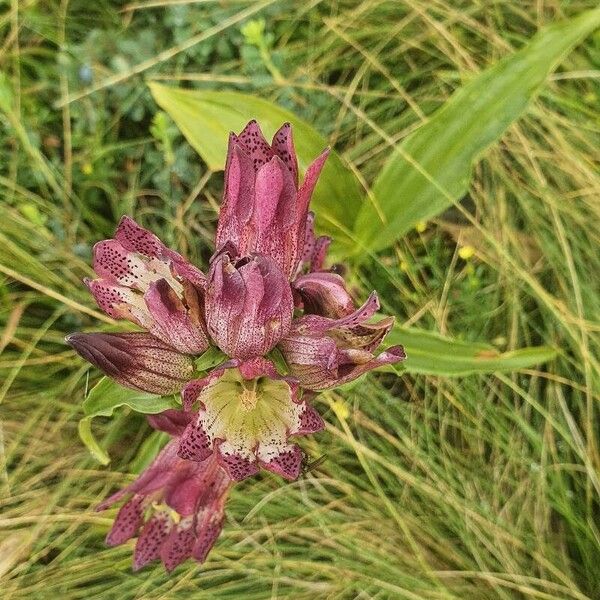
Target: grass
point(433, 488)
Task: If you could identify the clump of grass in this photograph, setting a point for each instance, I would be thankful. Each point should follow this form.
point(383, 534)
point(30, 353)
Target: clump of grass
point(482, 487)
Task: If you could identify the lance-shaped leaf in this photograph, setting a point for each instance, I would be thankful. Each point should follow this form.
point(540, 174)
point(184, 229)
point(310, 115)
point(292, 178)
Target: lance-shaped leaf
point(432, 354)
point(431, 169)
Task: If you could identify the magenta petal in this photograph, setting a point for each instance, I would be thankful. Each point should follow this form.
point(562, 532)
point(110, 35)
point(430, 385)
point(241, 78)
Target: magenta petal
point(238, 199)
point(118, 265)
point(150, 540)
point(249, 305)
point(315, 249)
point(324, 294)
point(286, 461)
point(238, 467)
point(151, 479)
point(320, 252)
point(135, 238)
point(171, 421)
point(207, 534)
point(172, 321)
point(255, 144)
point(315, 324)
point(178, 545)
point(283, 146)
point(116, 300)
point(310, 421)
point(351, 370)
point(195, 443)
point(128, 521)
point(310, 181)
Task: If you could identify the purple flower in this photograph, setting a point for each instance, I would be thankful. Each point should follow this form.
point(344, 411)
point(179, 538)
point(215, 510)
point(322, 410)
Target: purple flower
point(267, 296)
point(141, 280)
point(323, 352)
point(264, 211)
point(175, 507)
point(246, 414)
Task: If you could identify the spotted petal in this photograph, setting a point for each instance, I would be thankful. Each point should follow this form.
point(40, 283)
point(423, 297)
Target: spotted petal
point(247, 412)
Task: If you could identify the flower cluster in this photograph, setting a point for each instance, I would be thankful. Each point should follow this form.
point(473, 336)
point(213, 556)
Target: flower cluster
point(266, 291)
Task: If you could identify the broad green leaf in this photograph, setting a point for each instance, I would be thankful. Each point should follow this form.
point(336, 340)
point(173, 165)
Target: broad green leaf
point(207, 117)
point(431, 169)
point(432, 354)
point(102, 401)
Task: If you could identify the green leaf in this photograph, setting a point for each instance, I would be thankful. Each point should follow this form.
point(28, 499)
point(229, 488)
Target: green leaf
point(431, 169)
point(206, 118)
point(432, 354)
point(102, 401)
point(211, 358)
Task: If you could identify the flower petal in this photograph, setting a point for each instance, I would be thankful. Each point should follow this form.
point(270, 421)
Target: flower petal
point(173, 322)
point(238, 463)
point(285, 459)
point(310, 181)
point(255, 144)
point(283, 146)
point(171, 421)
point(119, 302)
point(308, 421)
point(238, 199)
point(324, 294)
point(153, 478)
point(128, 521)
point(249, 305)
point(135, 238)
point(151, 539)
point(207, 532)
point(195, 443)
point(117, 265)
point(316, 324)
point(315, 248)
point(178, 545)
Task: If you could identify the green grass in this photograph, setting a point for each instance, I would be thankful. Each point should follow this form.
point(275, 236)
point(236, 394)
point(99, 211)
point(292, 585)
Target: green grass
point(483, 487)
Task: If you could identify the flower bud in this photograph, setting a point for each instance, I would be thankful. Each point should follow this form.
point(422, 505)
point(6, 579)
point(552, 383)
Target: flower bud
point(249, 304)
point(263, 209)
point(136, 360)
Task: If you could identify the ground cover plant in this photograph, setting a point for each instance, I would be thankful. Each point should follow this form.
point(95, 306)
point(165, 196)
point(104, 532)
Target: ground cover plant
point(463, 187)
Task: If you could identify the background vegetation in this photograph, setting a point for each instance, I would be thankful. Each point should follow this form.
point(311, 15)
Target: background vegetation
point(479, 487)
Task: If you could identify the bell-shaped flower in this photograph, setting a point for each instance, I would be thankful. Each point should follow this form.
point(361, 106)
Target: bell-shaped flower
point(323, 352)
point(246, 414)
point(249, 304)
point(135, 360)
point(143, 281)
point(175, 507)
point(264, 210)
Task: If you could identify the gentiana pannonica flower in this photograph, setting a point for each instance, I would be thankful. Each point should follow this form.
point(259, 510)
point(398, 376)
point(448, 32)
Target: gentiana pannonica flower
point(287, 327)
